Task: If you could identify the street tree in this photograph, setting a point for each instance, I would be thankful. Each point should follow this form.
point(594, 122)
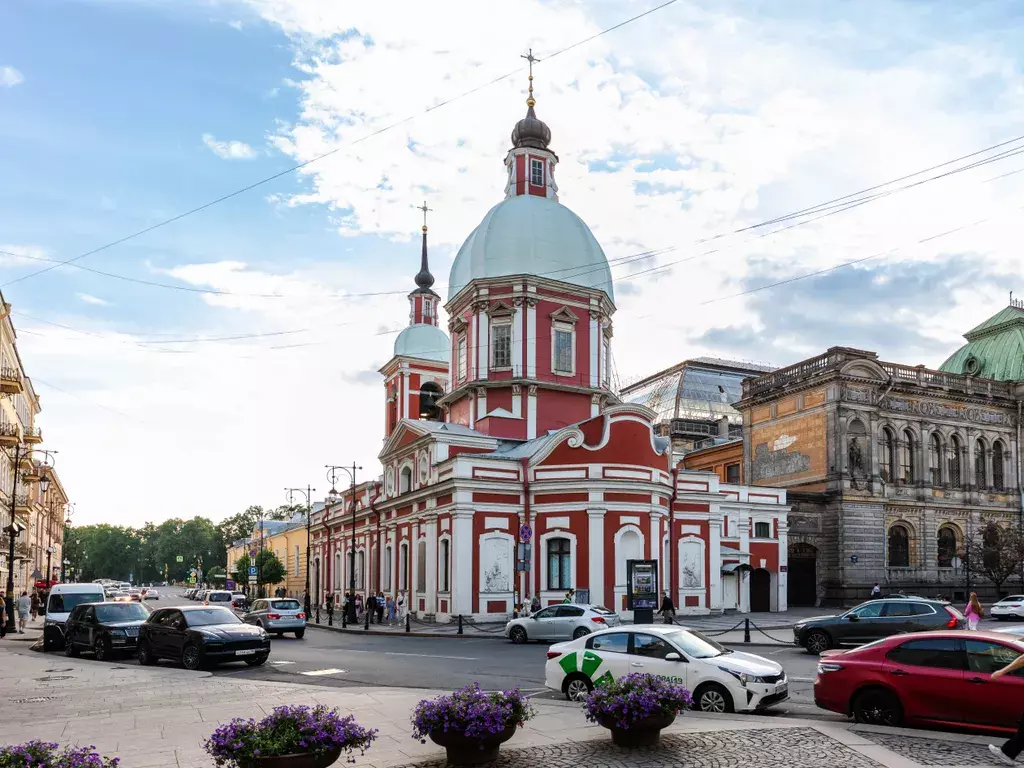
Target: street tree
point(241, 572)
point(270, 569)
point(995, 553)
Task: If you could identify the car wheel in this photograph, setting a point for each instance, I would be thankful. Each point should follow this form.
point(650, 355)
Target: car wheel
point(577, 687)
point(102, 650)
point(191, 657)
point(877, 707)
point(49, 643)
point(69, 647)
point(580, 632)
point(817, 642)
point(299, 634)
point(1000, 618)
point(259, 661)
point(518, 635)
point(712, 698)
point(146, 657)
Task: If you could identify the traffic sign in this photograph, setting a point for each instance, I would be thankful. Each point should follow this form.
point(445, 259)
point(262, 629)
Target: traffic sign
point(526, 533)
point(252, 553)
point(252, 570)
point(179, 558)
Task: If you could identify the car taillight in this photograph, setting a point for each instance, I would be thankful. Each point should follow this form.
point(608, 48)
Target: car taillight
point(206, 602)
point(554, 654)
point(300, 615)
point(598, 620)
point(953, 619)
point(273, 616)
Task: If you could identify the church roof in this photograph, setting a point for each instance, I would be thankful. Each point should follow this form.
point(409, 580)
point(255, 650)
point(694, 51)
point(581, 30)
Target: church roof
point(994, 349)
point(424, 342)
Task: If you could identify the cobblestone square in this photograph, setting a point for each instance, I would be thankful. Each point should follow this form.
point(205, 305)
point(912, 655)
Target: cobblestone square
point(935, 752)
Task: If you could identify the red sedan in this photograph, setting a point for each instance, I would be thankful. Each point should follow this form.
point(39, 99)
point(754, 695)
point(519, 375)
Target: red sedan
point(926, 678)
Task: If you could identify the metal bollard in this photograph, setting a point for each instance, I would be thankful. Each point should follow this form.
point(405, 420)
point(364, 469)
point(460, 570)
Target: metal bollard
point(344, 618)
point(746, 630)
point(318, 613)
point(330, 614)
point(366, 625)
point(460, 623)
point(407, 622)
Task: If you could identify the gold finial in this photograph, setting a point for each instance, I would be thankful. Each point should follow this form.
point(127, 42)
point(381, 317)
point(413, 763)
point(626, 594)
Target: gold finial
point(424, 209)
point(530, 58)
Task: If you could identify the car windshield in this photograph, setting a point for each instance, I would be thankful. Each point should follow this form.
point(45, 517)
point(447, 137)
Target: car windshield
point(207, 616)
point(219, 597)
point(1012, 599)
point(121, 612)
point(695, 645)
point(65, 603)
point(285, 605)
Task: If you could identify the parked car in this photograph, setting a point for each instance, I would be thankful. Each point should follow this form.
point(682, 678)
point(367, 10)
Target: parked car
point(1014, 629)
point(198, 635)
point(217, 596)
point(932, 678)
point(104, 629)
point(561, 622)
point(62, 601)
point(239, 601)
point(873, 620)
point(151, 594)
point(278, 615)
point(120, 597)
point(720, 680)
point(1011, 607)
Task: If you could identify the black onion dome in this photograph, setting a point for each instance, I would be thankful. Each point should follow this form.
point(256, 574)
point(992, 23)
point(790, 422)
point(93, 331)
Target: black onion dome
point(424, 280)
point(531, 131)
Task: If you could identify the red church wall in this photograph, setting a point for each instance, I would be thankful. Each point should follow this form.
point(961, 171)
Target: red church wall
point(499, 398)
point(629, 443)
point(559, 498)
point(444, 500)
point(496, 498)
point(559, 409)
point(511, 429)
point(455, 450)
point(459, 413)
point(769, 552)
point(642, 498)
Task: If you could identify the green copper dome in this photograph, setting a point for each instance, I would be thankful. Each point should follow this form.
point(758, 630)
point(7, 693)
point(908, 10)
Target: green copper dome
point(995, 349)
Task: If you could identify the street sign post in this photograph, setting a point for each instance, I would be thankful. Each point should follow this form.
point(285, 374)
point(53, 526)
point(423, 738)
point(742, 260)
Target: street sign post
point(526, 532)
point(252, 553)
point(252, 570)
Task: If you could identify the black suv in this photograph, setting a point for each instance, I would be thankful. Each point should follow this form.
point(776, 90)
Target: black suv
point(104, 629)
point(873, 620)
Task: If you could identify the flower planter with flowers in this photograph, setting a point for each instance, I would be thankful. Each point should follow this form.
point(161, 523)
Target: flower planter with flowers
point(470, 724)
point(635, 708)
point(289, 737)
point(38, 754)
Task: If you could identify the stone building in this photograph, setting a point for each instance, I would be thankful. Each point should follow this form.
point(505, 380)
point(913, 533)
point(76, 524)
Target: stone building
point(889, 467)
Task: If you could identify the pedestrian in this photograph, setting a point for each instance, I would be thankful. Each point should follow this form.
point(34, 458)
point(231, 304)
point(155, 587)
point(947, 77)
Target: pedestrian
point(35, 604)
point(389, 604)
point(568, 597)
point(876, 591)
point(973, 612)
point(359, 605)
point(534, 604)
point(1015, 744)
point(24, 606)
point(3, 615)
point(668, 608)
point(380, 607)
point(400, 606)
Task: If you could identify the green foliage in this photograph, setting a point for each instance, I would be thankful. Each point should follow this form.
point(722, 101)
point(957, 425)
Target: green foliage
point(271, 569)
point(241, 572)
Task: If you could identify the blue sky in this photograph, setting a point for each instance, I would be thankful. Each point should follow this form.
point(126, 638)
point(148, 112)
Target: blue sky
point(703, 118)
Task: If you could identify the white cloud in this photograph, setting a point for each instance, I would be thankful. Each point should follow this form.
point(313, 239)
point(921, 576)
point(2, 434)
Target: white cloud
point(90, 299)
point(235, 24)
point(10, 77)
point(229, 150)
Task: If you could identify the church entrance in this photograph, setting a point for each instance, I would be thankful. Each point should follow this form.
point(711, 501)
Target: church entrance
point(802, 589)
point(760, 590)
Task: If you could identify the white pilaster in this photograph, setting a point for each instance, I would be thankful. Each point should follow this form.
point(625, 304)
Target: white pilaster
point(715, 558)
point(595, 334)
point(403, 407)
point(481, 403)
point(431, 530)
point(743, 524)
point(483, 348)
point(463, 562)
point(595, 545)
point(655, 542)
point(531, 413)
point(472, 411)
point(517, 401)
point(595, 406)
point(517, 342)
point(474, 350)
point(783, 576)
point(531, 340)
point(414, 551)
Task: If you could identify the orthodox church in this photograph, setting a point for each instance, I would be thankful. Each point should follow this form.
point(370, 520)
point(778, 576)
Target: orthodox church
point(511, 468)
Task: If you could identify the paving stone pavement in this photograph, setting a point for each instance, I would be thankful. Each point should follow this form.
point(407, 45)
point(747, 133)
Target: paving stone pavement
point(936, 752)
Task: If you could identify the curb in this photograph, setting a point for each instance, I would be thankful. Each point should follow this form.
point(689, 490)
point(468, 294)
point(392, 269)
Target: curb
point(383, 633)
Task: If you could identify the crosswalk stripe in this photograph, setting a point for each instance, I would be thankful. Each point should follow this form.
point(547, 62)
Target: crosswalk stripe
point(318, 672)
point(279, 663)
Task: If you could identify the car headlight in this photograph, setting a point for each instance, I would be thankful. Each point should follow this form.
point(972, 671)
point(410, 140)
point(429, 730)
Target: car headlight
point(743, 677)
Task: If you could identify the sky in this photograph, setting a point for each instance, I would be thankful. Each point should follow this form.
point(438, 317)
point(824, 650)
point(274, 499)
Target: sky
point(675, 132)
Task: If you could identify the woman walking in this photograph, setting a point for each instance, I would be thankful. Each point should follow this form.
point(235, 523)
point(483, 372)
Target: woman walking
point(973, 612)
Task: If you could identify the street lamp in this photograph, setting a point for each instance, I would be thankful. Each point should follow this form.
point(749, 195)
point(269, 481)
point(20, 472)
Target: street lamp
point(308, 493)
point(332, 475)
point(14, 528)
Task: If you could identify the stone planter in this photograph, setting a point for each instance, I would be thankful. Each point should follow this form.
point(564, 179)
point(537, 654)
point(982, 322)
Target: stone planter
point(643, 733)
point(465, 751)
point(299, 760)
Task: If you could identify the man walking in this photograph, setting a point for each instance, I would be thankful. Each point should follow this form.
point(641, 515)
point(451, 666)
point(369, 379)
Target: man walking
point(876, 591)
point(24, 608)
point(1015, 744)
point(668, 608)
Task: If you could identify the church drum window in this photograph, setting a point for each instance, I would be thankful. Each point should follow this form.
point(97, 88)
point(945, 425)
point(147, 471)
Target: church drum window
point(899, 547)
point(559, 564)
point(980, 479)
point(998, 478)
point(501, 345)
point(888, 455)
point(462, 359)
point(561, 350)
point(947, 546)
point(537, 172)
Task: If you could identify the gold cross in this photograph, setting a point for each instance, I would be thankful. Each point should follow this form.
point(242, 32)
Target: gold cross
point(530, 58)
point(424, 209)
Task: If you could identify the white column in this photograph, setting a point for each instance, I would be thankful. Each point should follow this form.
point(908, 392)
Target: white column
point(463, 562)
point(531, 412)
point(472, 411)
point(403, 403)
point(595, 577)
point(483, 348)
point(517, 342)
point(655, 541)
point(743, 524)
point(595, 335)
point(481, 402)
point(517, 401)
point(715, 558)
point(475, 350)
point(783, 576)
point(414, 569)
point(431, 530)
point(531, 340)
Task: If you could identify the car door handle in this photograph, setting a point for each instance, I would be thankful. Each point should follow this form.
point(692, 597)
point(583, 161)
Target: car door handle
point(635, 664)
point(976, 680)
point(898, 672)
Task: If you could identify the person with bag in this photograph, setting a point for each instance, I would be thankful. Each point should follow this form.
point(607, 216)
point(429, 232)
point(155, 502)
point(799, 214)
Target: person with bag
point(973, 612)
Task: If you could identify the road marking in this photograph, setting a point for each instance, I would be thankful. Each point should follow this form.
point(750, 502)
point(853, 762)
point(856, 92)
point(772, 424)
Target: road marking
point(282, 662)
point(318, 672)
point(429, 656)
point(802, 679)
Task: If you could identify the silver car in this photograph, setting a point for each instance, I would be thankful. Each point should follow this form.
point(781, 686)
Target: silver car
point(561, 622)
point(278, 615)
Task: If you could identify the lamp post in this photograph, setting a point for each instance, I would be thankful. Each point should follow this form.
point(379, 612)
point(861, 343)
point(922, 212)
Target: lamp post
point(332, 475)
point(13, 529)
point(308, 493)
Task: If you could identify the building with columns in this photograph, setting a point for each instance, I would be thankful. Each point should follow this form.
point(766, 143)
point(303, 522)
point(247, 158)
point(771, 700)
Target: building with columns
point(510, 467)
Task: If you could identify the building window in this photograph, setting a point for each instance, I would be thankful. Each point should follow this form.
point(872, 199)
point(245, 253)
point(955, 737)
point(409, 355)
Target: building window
point(296, 559)
point(606, 374)
point(562, 343)
point(537, 172)
point(501, 345)
point(421, 567)
point(899, 547)
point(947, 546)
point(907, 457)
point(935, 458)
point(559, 564)
point(732, 473)
point(888, 455)
point(997, 465)
point(762, 530)
point(405, 480)
point(462, 358)
point(360, 569)
point(403, 567)
point(955, 462)
point(445, 565)
point(979, 464)
point(387, 568)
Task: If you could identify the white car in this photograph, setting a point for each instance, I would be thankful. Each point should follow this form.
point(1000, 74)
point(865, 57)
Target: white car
point(719, 679)
point(1011, 607)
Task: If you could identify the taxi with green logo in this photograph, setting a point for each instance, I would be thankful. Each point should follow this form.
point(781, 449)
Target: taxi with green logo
point(720, 679)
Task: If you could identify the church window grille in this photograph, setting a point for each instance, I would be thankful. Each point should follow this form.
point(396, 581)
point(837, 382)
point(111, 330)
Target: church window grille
point(979, 465)
point(537, 172)
point(899, 547)
point(998, 478)
point(559, 564)
point(501, 345)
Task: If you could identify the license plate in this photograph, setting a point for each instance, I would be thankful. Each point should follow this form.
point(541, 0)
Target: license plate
point(784, 688)
point(248, 652)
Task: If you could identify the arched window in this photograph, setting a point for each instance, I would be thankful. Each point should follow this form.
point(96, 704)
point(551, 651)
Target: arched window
point(956, 452)
point(899, 547)
point(337, 572)
point(947, 546)
point(405, 480)
point(856, 438)
point(430, 393)
point(980, 478)
point(907, 457)
point(888, 455)
point(421, 566)
point(997, 465)
point(403, 567)
point(444, 571)
point(935, 458)
point(350, 561)
point(559, 564)
point(388, 562)
point(360, 569)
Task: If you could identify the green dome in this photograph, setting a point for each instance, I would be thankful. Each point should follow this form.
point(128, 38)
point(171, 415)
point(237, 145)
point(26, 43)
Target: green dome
point(994, 350)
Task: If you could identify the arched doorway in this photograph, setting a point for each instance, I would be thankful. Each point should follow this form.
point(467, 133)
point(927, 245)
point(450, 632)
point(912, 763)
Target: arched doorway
point(802, 582)
point(760, 590)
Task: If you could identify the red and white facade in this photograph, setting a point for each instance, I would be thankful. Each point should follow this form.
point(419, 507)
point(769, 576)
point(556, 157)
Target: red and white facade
point(527, 432)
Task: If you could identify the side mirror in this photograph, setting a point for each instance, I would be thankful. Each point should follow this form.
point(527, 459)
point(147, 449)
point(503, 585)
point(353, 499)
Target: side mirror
point(853, 617)
point(534, 616)
point(673, 657)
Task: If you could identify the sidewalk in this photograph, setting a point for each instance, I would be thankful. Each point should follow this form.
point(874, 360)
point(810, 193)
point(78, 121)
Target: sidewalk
point(159, 717)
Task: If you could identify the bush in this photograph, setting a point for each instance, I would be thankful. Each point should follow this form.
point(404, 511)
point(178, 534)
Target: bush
point(471, 712)
point(45, 754)
point(287, 731)
point(630, 699)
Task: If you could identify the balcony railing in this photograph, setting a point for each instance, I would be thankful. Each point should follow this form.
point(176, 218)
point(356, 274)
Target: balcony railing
point(10, 381)
point(33, 436)
point(9, 434)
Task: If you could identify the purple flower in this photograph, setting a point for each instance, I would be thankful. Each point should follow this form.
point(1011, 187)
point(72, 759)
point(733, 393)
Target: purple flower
point(472, 712)
point(634, 698)
point(45, 754)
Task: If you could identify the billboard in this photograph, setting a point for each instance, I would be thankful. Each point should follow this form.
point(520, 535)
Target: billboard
point(642, 584)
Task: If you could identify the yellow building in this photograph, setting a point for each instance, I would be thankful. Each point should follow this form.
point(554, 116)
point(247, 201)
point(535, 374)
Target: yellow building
point(287, 539)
